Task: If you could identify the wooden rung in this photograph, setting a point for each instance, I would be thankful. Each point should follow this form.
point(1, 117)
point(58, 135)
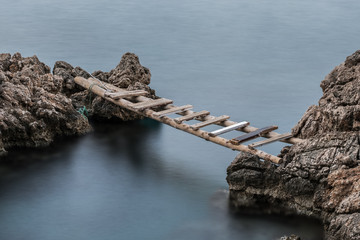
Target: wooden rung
point(191, 116)
point(252, 135)
point(270, 140)
point(209, 122)
point(125, 94)
point(229, 128)
point(151, 103)
point(172, 110)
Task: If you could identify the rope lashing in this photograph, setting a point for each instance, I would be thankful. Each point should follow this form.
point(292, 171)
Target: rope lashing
point(84, 112)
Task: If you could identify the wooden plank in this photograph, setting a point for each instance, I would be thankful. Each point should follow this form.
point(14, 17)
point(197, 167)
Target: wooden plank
point(172, 110)
point(252, 135)
point(229, 128)
point(125, 94)
point(209, 122)
point(270, 140)
point(191, 116)
point(150, 103)
point(88, 83)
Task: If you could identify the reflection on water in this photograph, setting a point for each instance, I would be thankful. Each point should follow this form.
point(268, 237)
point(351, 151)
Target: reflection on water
point(115, 184)
point(259, 61)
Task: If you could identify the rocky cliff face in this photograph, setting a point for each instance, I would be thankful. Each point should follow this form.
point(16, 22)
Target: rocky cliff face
point(321, 176)
point(37, 106)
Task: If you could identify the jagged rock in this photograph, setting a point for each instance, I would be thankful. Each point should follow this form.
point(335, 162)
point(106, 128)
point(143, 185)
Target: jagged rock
point(37, 106)
point(128, 74)
point(68, 73)
point(33, 109)
point(339, 108)
point(319, 177)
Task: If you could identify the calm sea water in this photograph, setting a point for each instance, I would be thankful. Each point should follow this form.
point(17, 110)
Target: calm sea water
point(258, 61)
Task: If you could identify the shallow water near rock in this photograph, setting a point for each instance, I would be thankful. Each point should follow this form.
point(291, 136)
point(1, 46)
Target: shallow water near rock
point(113, 184)
point(258, 61)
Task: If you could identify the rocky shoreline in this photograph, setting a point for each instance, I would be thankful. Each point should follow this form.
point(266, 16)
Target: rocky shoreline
point(38, 106)
point(320, 177)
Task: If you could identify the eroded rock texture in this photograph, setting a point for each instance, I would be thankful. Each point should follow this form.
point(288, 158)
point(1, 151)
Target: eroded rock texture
point(128, 74)
point(319, 177)
point(33, 110)
point(36, 106)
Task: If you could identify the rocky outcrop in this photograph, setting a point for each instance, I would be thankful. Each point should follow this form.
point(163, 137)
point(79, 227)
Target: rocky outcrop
point(319, 177)
point(33, 109)
point(128, 74)
point(37, 106)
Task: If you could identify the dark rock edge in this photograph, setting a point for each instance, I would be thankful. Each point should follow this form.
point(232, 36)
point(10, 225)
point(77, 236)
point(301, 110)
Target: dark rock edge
point(320, 177)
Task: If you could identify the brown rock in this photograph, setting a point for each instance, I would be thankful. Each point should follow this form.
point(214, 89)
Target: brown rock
point(319, 177)
point(37, 106)
point(129, 71)
point(33, 109)
point(129, 74)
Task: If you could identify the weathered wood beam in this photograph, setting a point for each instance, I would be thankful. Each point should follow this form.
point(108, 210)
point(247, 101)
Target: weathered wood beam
point(209, 122)
point(172, 110)
point(226, 123)
point(252, 135)
point(229, 128)
point(218, 140)
point(270, 140)
point(191, 116)
point(118, 95)
point(86, 83)
point(150, 103)
point(248, 129)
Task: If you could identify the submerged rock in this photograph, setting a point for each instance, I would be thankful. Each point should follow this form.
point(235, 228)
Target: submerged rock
point(291, 237)
point(319, 177)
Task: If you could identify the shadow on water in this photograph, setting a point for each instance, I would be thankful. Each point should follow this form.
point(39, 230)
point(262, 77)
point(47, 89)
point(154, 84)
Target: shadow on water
point(305, 227)
point(20, 159)
point(129, 138)
point(225, 223)
point(133, 142)
point(116, 180)
point(112, 138)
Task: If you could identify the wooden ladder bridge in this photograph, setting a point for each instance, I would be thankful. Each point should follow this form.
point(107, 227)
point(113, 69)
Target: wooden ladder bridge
point(136, 101)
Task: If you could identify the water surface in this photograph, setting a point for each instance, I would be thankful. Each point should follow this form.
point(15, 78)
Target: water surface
point(258, 61)
point(115, 183)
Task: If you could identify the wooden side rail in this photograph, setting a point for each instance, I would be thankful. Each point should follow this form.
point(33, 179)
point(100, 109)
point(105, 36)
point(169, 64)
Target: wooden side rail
point(143, 108)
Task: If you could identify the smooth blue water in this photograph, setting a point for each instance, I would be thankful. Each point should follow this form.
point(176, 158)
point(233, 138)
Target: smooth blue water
point(119, 183)
point(259, 61)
